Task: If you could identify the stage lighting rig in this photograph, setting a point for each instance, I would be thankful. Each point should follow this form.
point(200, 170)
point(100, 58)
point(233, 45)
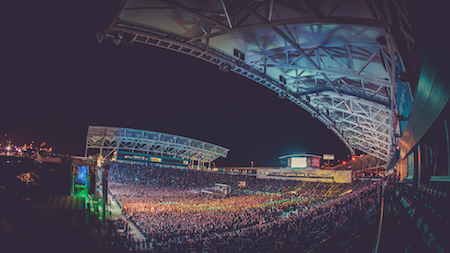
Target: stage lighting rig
point(120, 38)
point(116, 37)
point(128, 39)
point(282, 79)
point(225, 67)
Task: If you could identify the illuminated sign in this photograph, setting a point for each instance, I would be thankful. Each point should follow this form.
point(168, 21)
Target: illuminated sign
point(328, 157)
point(122, 155)
point(155, 159)
point(135, 157)
point(315, 162)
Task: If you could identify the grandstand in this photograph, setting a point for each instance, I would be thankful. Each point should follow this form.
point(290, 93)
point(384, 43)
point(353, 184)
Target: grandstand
point(147, 147)
point(174, 211)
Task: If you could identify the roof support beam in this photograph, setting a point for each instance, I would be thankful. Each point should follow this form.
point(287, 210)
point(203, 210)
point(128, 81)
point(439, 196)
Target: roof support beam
point(370, 137)
point(314, 9)
point(356, 115)
point(350, 59)
point(358, 100)
point(361, 127)
point(368, 61)
point(333, 8)
point(195, 13)
point(375, 153)
point(270, 10)
point(226, 14)
point(298, 21)
point(333, 72)
point(289, 40)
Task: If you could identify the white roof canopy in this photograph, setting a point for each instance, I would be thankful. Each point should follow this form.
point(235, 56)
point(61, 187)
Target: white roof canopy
point(334, 59)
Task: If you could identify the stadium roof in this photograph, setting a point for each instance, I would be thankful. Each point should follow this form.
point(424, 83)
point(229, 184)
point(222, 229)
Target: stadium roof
point(109, 139)
point(298, 155)
point(335, 59)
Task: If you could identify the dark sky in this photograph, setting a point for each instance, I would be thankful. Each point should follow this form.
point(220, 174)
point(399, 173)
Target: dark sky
point(57, 80)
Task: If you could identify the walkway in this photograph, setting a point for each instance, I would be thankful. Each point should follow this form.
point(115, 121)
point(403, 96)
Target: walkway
point(116, 212)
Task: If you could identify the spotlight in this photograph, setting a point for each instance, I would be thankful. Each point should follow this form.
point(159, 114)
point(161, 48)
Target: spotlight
point(225, 67)
point(116, 37)
point(239, 54)
point(282, 79)
point(242, 56)
point(236, 52)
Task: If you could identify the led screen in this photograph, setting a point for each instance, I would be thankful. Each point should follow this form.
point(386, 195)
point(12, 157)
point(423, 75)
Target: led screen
point(82, 175)
point(298, 162)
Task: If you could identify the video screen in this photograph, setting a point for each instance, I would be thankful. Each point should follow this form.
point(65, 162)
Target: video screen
point(82, 175)
point(298, 162)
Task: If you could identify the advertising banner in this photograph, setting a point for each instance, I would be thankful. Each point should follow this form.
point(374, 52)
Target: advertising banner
point(315, 162)
point(328, 157)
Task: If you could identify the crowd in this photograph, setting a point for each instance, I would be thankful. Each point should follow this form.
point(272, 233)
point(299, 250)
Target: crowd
point(167, 207)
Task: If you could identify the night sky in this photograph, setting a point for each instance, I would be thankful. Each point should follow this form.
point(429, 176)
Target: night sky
point(57, 80)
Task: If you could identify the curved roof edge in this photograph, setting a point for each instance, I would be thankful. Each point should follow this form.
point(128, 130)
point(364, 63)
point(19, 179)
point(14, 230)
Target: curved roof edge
point(299, 155)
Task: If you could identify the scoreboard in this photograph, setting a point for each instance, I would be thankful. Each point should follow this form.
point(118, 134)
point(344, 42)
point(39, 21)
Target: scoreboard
point(136, 157)
point(300, 161)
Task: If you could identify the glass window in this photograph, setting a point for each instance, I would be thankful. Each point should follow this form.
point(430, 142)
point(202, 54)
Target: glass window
point(410, 165)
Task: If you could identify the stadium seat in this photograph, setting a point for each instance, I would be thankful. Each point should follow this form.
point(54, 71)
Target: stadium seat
point(419, 222)
point(424, 229)
point(431, 238)
point(441, 245)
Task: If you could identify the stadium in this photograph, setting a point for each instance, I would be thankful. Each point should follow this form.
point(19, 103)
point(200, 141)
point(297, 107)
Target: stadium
point(160, 183)
point(372, 73)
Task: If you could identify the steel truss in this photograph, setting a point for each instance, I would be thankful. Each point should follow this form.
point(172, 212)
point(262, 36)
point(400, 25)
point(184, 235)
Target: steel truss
point(109, 139)
point(336, 61)
point(364, 163)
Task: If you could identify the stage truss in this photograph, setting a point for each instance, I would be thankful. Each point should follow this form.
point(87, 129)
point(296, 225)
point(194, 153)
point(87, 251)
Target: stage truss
point(335, 59)
point(110, 139)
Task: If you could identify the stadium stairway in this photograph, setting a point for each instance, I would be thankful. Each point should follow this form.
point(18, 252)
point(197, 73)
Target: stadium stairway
point(116, 211)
